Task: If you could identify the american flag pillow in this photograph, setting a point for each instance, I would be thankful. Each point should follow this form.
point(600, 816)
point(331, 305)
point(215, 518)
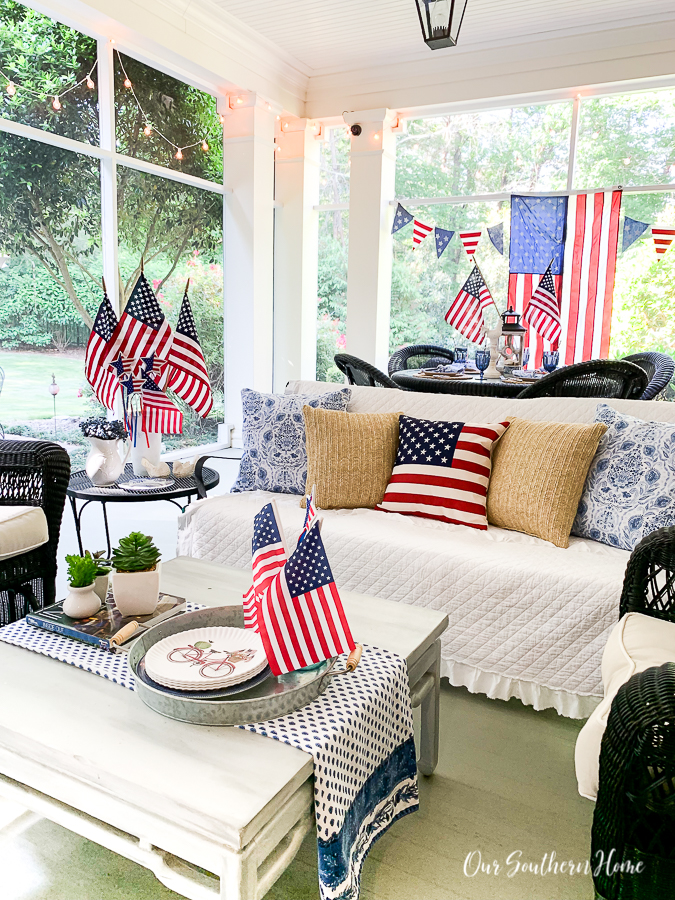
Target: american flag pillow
point(442, 471)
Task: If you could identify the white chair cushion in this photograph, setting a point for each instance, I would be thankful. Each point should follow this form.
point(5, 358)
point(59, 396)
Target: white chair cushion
point(22, 528)
point(636, 643)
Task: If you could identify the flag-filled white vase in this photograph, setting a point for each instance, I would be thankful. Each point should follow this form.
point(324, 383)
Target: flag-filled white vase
point(147, 446)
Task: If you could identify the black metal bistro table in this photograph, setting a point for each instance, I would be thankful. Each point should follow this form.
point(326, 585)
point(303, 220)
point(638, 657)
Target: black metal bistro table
point(411, 380)
point(80, 487)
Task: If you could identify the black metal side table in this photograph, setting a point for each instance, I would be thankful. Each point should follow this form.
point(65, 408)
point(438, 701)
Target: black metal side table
point(80, 487)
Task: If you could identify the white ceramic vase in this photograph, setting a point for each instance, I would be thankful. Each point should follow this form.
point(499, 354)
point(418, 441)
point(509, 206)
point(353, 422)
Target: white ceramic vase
point(81, 602)
point(136, 593)
point(101, 587)
point(105, 462)
point(148, 446)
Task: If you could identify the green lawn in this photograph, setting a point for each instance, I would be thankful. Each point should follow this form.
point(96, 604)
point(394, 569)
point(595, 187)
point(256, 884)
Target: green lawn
point(25, 393)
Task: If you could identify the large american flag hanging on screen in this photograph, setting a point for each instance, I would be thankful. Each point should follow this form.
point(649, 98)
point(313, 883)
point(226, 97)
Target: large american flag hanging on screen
point(100, 377)
point(268, 557)
point(543, 310)
point(466, 310)
point(189, 378)
point(159, 414)
point(300, 616)
point(142, 329)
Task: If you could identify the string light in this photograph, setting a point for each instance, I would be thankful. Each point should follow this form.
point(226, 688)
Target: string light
point(12, 88)
point(56, 103)
point(205, 147)
point(90, 84)
point(179, 153)
point(127, 83)
point(147, 131)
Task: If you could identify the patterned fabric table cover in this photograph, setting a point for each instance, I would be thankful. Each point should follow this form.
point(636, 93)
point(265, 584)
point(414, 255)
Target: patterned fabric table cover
point(359, 732)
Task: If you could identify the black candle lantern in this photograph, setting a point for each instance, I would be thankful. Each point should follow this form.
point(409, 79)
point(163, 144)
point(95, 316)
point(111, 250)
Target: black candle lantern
point(441, 21)
point(512, 340)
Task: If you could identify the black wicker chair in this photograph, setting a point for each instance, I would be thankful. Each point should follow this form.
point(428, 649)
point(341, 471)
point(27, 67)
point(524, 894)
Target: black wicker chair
point(659, 368)
point(360, 372)
point(417, 355)
point(595, 378)
point(634, 817)
point(32, 473)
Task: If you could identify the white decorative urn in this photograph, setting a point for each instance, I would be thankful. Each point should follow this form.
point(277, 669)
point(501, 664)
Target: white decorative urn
point(81, 602)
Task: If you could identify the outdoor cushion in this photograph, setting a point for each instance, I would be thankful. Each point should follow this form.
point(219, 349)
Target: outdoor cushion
point(630, 487)
point(349, 456)
point(22, 528)
point(275, 457)
point(636, 643)
point(538, 474)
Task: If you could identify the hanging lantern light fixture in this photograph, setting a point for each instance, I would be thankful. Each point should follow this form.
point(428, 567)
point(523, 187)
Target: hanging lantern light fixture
point(441, 21)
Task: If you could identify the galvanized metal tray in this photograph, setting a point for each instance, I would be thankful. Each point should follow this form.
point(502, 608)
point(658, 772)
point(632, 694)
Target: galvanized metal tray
point(275, 696)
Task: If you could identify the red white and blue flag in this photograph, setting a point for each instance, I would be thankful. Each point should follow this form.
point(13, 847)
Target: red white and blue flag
point(420, 231)
point(543, 310)
point(103, 381)
point(300, 616)
point(159, 415)
point(466, 310)
point(442, 471)
point(142, 329)
point(189, 378)
point(470, 240)
point(310, 514)
point(268, 558)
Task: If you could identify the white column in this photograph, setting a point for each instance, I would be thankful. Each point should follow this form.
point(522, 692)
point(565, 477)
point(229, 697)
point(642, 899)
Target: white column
point(248, 150)
point(104, 74)
point(295, 250)
point(372, 186)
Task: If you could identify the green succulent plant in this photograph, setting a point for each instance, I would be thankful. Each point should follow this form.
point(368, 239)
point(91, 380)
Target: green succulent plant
point(82, 570)
point(102, 565)
point(135, 553)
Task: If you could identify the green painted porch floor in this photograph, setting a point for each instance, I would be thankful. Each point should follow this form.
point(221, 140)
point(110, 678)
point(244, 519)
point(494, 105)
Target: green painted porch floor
point(505, 783)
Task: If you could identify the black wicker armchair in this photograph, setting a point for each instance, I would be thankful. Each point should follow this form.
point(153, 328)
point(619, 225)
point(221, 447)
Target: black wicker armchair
point(633, 837)
point(595, 378)
point(360, 372)
point(659, 368)
point(32, 473)
point(417, 355)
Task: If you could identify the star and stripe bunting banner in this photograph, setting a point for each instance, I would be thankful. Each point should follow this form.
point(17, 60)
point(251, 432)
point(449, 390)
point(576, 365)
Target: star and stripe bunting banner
point(663, 238)
point(466, 310)
point(159, 415)
point(268, 557)
point(496, 235)
point(543, 310)
point(632, 230)
point(401, 218)
point(470, 240)
point(300, 616)
point(142, 329)
point(103, 381)
point(442, 237)
point(442, 471)
point(189, 378)
point(420, 231)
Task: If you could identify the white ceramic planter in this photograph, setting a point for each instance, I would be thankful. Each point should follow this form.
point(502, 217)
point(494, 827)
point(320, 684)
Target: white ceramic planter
point(149, 447)
point(105, 462)
point(101, 587)
point(136, 593)
point(81, 602)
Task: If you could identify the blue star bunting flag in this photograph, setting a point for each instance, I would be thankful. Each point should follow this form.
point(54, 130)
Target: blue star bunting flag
point(401, 219)
point(443, 238)
point(537, 234)
point(496, 235)
point(267, 559)
point(632, 230)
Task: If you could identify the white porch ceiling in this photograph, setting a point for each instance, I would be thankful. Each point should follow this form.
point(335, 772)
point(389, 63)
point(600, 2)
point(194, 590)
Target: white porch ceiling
point(330, 36)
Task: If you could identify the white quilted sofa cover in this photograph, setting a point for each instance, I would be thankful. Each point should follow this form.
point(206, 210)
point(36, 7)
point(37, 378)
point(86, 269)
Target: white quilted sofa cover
point(527, 619)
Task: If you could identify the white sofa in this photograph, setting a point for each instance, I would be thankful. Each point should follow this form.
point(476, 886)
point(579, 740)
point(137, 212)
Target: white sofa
point(527, 619)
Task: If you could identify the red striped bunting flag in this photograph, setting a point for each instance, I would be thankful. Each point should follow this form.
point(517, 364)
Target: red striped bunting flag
point(300, 616)
point(420, 231)
point(442, 471)
point(470, 240)
point(267, 558)
point(663, 238)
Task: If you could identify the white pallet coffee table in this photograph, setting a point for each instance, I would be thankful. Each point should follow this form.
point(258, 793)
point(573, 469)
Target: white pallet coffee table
point(88, 755)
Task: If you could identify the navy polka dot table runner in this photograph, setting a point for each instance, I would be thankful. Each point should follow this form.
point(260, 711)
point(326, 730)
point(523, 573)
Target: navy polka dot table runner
point(359, 732)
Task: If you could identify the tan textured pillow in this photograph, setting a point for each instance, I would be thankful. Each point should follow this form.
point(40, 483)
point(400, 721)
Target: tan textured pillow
point(349, 456)
point(538, 474)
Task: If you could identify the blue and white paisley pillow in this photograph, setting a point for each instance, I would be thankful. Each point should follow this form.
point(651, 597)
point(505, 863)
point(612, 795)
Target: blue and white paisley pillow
point(630, 487)
point(275, 455)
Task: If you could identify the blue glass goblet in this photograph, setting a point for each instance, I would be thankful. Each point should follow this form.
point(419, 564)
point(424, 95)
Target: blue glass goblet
point(461, 354)
point(550, 360)
point(482, 361)
point(526, 357)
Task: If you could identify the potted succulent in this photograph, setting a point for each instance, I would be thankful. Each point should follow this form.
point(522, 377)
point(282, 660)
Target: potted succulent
point(135, 576)
point(82, 601)
point(102, 573)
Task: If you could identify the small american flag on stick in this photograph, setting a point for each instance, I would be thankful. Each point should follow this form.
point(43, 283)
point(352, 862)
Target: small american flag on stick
point(103, 381)
point(466, 310)
point(189, 378)
point(300, 615)
point(142, 329)
point(159, 414)
point(543, 310)
point(310, 514)
point(268, 557)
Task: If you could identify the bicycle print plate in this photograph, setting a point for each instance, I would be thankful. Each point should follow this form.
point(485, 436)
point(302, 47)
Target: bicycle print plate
point(206, 658)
